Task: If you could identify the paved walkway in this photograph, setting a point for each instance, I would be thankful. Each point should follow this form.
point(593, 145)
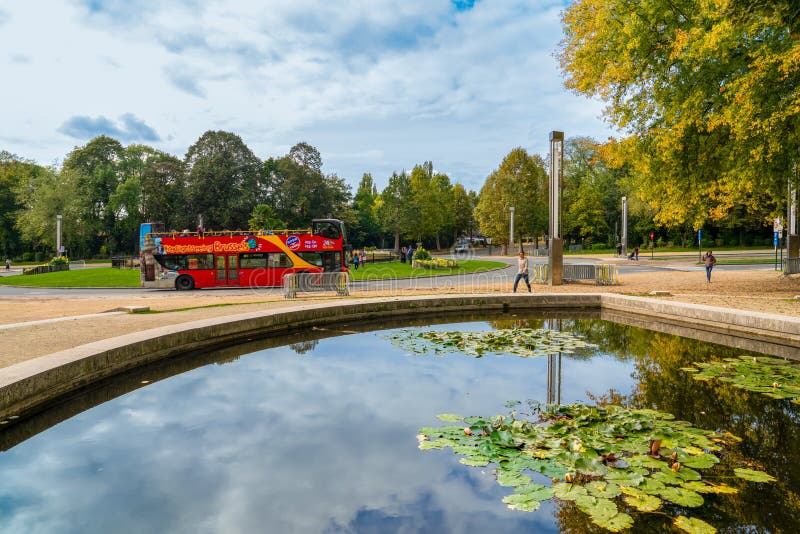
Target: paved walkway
point(36, 325)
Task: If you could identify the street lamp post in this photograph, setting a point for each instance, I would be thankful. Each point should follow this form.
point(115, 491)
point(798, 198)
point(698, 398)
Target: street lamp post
point(555, 255)
point(511, 229)
point(58, 236)
point(624, 226)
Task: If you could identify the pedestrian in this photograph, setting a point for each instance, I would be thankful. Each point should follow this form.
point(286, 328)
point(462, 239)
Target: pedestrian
point(8, 264)
point(356, 257)
point(410, 253)
point(709, 260)
point(636, 253)
point(403, 255)
point(522, 272)
point(363, 258)
point(619, 249)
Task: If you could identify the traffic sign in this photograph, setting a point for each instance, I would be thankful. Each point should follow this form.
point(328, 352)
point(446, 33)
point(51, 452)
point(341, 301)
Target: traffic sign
point(775, 240)
point(699, 235)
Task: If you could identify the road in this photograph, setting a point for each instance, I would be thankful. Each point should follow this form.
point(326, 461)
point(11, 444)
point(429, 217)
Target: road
point(503, 276)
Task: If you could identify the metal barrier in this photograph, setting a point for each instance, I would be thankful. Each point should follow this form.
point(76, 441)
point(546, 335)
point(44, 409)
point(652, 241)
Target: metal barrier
point(125, 262)
point(606, 275)
point(602, 274)
point(791, 266)
point(539, 275)
point(581, 271)
point(315, 282)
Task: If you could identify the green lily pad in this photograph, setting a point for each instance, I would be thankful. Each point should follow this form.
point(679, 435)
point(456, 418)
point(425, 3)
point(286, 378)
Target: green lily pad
point(692, 525)
point(568, 492)
point(512, 479)
point(450, 417)
point(700, 461)
point(525, 342)
point(643, 503)
point(704, 487)
point(753, 475)
point(682, 496)
point(602, 489)
point(773, 377)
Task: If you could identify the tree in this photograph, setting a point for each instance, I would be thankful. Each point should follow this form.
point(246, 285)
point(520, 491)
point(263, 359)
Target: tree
point(223, 179)
point(49, 193)
point(521, 182)
point(366, 231)
point(14, 171)
point(295, 186)
point(709, 92)
point(591, 197)
point(263, 218)
point(393, 207)
point(96, 167)
point(463, 212)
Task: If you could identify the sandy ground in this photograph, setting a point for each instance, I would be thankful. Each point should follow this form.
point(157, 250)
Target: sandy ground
point(762, 291)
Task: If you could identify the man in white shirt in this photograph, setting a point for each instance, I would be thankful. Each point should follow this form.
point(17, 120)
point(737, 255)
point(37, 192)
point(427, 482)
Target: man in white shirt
point(522, 272)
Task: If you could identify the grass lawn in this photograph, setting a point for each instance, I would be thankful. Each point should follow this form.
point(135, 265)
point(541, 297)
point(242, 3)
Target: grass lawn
point(95, 277)
point(108, 277)
point(395, 269)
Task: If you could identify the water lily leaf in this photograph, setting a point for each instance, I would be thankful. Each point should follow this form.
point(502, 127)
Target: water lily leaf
point(651, 486)
point(705, 487)
point(512, 479)
point(527, 498)
point(568, 492)
point(682, 496)
point(700, 461)
point(625, 477)
point(692, 525)
point(644, 460)
point(450, 417)
point(602, 489)
point(475, 461)
point(753, 475)
point(605, 514)
point(643, 503)
point(667, 476)
point(428, 445)
point(687, 473)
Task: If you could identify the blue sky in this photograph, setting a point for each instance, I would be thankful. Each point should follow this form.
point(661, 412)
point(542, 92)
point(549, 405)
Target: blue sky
point(375, 85)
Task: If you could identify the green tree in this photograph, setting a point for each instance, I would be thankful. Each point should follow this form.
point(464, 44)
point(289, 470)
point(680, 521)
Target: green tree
point(709, 92)
point(520, 181)
point(263, 218)
point(97, 169)
point(14, 171)
point(366, 230)
point(393, 207)
point(295, 186)
point(223, 179)
point(49, 193)
point(463, 212)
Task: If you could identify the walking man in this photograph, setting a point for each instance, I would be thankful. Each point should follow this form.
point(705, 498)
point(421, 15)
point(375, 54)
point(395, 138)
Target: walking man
point(709, 260)
point(522, 272)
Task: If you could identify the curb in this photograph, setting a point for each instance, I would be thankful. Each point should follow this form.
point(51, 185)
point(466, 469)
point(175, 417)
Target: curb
point(31, 386)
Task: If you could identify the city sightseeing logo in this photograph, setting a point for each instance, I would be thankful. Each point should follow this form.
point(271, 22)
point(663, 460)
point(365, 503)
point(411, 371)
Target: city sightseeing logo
point(252, 244)
point(293, 242)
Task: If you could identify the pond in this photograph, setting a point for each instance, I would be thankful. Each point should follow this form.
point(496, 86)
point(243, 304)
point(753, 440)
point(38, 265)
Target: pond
point(320, 435)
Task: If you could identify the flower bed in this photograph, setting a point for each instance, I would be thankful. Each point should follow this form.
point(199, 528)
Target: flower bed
point(436, 263)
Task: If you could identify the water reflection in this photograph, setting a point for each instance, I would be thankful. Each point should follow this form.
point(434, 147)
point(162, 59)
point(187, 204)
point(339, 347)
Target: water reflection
point(272, 441)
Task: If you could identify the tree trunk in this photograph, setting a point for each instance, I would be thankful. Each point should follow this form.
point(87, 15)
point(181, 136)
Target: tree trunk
point(397, 240)
point(504, 249)
point(438, 245)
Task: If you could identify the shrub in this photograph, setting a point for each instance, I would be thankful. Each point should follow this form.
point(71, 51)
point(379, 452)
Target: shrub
point(422, 254)
point(599, 246)
point(27, 256)
point(61, 260)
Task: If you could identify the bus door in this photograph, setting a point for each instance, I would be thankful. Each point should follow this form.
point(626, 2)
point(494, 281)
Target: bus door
point(227, 270)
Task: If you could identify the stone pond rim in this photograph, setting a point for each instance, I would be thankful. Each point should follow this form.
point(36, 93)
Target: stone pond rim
point(31, 386)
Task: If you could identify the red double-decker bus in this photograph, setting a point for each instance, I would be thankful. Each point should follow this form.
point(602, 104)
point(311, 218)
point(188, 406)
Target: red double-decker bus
point(188, 260)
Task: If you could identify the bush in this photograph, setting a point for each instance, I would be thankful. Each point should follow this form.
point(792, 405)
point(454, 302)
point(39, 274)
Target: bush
point(39, 256)
point(437, 263)
point(422, 254)
point(599, 246)
point(27, 256)
point(61, 260)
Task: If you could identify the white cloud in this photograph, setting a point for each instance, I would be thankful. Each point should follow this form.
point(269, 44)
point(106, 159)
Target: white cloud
point(397, 82)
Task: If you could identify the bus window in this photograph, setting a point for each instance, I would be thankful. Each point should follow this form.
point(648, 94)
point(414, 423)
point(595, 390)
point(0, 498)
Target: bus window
point(255, 260)
point(314, 258)
point(326, 229)
point(182, 262)
point(279, 260)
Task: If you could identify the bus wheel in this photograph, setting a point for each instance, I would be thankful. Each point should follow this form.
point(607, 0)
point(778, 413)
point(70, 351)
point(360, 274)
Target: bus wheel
point(184, 283)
